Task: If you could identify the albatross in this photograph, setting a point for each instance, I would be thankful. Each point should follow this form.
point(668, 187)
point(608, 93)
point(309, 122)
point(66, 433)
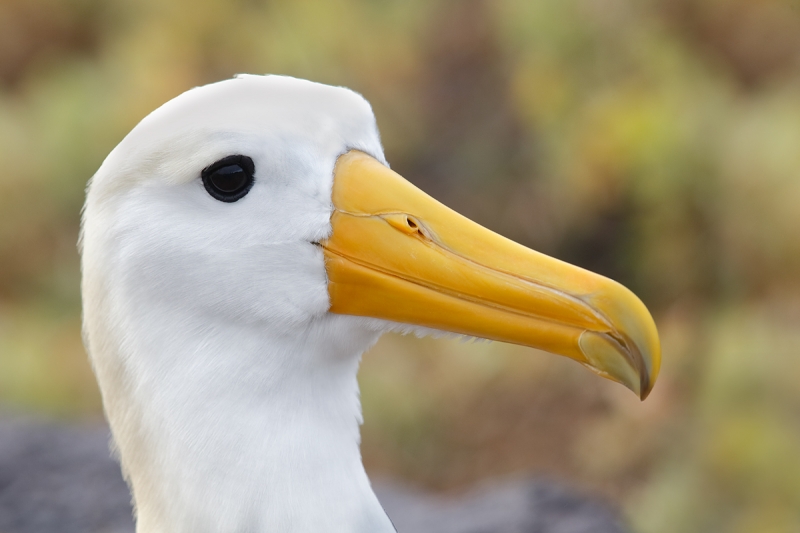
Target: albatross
point(241, 248)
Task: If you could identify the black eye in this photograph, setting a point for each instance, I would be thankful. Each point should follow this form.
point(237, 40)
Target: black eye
point(230, 178)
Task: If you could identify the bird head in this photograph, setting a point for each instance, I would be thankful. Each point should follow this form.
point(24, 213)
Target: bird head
point(266, 201)
point(241, 247)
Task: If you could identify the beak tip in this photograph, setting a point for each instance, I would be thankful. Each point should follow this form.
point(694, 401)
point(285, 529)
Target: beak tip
point(631, 352)
point(649, 374)
point(648, 363)
point(651, 363)
point(649, 378)
point(647, 387)
point(634, 365)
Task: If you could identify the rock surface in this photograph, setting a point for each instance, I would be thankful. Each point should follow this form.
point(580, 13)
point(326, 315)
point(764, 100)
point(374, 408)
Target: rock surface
point(61, 479)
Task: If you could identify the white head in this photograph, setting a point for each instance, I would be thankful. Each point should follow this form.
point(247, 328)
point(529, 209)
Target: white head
point(207, 321)
point(223, 333)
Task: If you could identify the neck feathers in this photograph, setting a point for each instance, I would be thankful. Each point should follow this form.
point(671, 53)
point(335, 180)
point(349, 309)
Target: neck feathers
point(232, 429)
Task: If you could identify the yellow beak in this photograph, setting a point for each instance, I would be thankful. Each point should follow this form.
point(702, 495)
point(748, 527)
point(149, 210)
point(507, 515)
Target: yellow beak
point(397, 254)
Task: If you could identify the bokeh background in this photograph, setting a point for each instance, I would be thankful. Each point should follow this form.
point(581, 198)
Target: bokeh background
point(654, 141)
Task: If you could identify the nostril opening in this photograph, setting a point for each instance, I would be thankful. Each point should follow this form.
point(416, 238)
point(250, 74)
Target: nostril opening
point(411, 223)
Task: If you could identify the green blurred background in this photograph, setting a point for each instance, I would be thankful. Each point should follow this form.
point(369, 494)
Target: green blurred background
point(654, 141)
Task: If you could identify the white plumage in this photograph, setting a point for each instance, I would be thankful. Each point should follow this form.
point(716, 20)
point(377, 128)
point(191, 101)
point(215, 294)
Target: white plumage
point(221, 330)
point(230, 390)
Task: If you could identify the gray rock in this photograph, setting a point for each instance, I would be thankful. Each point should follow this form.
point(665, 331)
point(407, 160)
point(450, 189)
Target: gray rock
point(522, 506)
point(60, 479)
point(56, 478)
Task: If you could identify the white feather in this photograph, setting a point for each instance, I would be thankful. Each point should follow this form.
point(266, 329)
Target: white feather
point(230, 390)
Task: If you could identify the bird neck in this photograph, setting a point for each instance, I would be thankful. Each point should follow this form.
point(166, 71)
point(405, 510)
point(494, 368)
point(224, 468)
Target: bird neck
point(233, 430)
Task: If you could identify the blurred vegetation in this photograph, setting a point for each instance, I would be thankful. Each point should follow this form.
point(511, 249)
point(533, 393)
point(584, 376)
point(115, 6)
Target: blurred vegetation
point(655, 141)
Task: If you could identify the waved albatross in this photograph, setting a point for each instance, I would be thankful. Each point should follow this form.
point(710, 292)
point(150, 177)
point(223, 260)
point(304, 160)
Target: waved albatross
point(241, 248)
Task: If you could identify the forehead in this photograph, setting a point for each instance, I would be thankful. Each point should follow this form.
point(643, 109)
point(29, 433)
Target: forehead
point(256, 101)
point(245, 113)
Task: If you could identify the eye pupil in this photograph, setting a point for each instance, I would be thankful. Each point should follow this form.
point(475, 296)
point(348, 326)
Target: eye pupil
point(230, 178)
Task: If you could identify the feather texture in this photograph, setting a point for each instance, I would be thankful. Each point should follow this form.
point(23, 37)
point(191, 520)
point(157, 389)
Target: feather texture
point(230, 390)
